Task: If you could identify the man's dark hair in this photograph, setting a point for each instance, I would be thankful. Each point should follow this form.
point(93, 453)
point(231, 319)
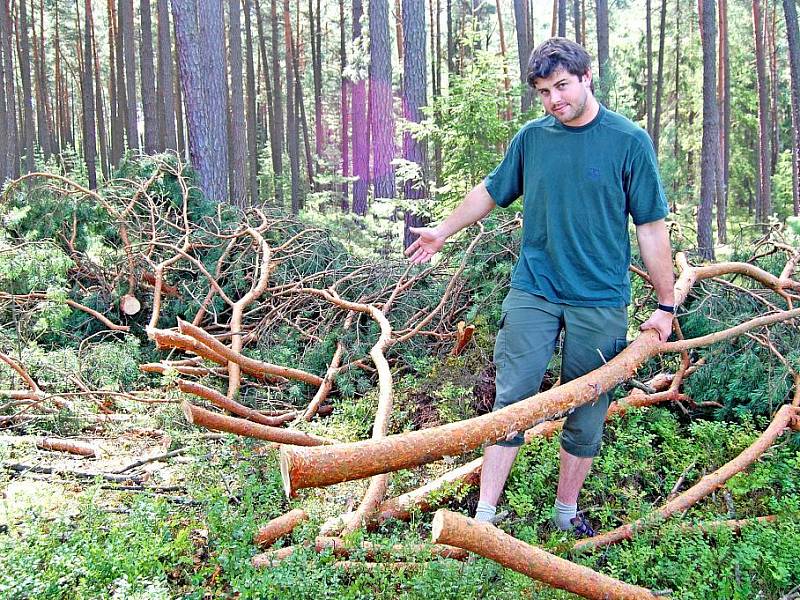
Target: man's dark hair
point(557, 53)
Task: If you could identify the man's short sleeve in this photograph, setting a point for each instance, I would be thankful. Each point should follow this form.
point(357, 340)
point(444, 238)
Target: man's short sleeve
point(504, 184)
point(646, 199)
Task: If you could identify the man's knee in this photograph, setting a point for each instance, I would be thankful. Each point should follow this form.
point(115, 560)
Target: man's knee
point(582, 435)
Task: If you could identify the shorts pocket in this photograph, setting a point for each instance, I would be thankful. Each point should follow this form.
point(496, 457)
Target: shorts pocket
point(619, 345)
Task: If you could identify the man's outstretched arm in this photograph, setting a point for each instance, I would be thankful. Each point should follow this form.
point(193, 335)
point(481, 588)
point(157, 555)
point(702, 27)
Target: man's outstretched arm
point(656, 252)
point(475, 205)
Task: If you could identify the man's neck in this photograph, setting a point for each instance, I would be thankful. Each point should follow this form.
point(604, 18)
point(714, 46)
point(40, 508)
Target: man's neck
point(589, 113)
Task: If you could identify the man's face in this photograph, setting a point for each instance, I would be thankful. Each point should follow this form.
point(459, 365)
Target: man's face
point(565, 95)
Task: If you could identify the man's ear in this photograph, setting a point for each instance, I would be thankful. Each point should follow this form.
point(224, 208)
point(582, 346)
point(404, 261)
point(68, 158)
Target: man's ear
point(587, 76)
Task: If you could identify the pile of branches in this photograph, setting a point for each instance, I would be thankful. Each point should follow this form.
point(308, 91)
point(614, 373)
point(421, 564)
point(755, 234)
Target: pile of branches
point(224, 294)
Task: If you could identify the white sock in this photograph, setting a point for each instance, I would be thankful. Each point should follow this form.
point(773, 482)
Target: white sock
point(564, 513)
point(485, 511)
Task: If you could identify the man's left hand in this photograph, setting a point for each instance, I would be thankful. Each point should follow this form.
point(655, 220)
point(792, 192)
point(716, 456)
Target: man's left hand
point(661, 321)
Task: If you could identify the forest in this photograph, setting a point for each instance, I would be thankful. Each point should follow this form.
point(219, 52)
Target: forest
point(220, 377)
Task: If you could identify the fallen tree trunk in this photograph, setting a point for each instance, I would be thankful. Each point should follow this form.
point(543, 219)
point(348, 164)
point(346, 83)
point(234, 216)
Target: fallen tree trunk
point(279, 527)
point(225, 403)
point(211, 420)
point(786, 416)
point(488, 541)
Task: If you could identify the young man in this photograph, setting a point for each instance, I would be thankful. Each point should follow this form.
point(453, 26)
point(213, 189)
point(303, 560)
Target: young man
point(582, 170)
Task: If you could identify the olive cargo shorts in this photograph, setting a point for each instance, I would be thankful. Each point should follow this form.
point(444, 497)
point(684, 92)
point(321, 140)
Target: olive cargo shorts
point(529, 329)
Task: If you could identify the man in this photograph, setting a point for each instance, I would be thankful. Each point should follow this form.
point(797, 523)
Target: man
point(582, 170)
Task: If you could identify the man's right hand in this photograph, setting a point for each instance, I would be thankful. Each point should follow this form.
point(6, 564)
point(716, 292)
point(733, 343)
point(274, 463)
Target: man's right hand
point(428, 243)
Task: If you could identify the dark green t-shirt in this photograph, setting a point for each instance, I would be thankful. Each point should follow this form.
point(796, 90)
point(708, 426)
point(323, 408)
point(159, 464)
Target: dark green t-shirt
point(579, 185)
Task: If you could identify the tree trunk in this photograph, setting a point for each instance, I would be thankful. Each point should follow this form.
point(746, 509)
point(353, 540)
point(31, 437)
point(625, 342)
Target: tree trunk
point(129, 53)
point(793, 37)
point(763, 200)
point(238, 127)
point(648, 34)
point(202, 73)
point(89, 139)
point(11, 151)
point(316, 69)
point(523, 50)
point(503, 56)
point(562, 18)
point(277, 98)
point(710, 141)
point(576, 18)
point(165, 97)
point(180, 130)
point(5, 166)
point(723, 95)
point(122, 93)
point(451, 46)
point(414, 98)
point(603, 51)
point(381, 119)
point(275, 124)
point(772, 49)
point(344, 109)
point(487, 540)
point(152, 134)
point(360, 128)
point(27, 87)
point(117, 131)
point(292, 129)
point(676, 150)
point(662, 34)
point(99, 110)
point(43, 112)
point(252, 142)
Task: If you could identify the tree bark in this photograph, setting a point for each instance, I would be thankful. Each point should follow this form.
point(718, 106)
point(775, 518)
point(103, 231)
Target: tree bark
point(180, 129)
point(710, 138)
point(487, 540)
point(5, 166)
point(603, 51)
point(238, 127)
point(152, 134)
point(202, 70)
point(27, 87)
point(292, 126)
point(11, 151)
point(562, 18)
point(662, 34)
point(381, 120)
point(793, 38)
point(43, 110)
point(277, 109)
point(252, 140)
point(763, 200)
point(576, 18)
point(648, 35)
point(129, 52)
point(414, 98)
point(122, 93)
point(344, 109)
point(89, 139)
point(360, 128)
point(164, 94)
point(277, 528)
point(724, 103)
point(117, 127)
point(102, 134)
point(315, 37)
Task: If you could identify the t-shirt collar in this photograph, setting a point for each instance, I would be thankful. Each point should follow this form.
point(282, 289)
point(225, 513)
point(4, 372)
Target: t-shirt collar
point(593, 123)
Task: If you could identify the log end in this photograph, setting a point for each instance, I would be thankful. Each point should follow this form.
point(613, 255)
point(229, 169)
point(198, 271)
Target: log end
point(437, 525)
point(129, 304)
point(285, 460)
point(186, 407)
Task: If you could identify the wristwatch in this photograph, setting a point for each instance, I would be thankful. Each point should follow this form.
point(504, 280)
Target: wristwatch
point(667, 308)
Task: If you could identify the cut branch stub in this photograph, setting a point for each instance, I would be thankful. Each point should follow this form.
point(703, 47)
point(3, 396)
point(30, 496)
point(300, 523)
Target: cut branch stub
point(62, 445)
point(211, 420)
point(302, 468)
point(487, 540)
point(129, 304)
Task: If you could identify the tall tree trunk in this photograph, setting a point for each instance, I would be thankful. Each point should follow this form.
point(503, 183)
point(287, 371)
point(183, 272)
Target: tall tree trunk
point(503, 54)
point(117, 128)
point(316, 69)
point(152, 134)
point(165, 98)
point(12, 152)
point(300, 106)
point(451, 45)
point(414, 98)
point(648, 34)
point(562, 18)
point(200, 44)
point(360, 128)
point(662, 34)
point(793, 38)
point(238, 125)
point(292, 129)
point(61, 127)
point(603, 51)
point(710, 141)
point(122, 88)
point(180, 120)
point(27, 87)
point(43, 129)
point(723, 97)
point(277, 99)
point(344, 108)
point(381, 99)
point(576, 18)
point(252, 142)
point(5, 166)
point(129, 53)
point(774, 119)
point(89, 139)
point(99, 112)
point(275, 134)
point(676, 150)
point(763, 200)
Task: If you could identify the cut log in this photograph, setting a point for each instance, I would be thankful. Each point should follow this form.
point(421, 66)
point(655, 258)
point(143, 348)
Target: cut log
point(62, 445)
point(708, 484)
point(225, 403)
point(277, 528)
point(129, 304)
point(211, 420)
point(488, 541)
